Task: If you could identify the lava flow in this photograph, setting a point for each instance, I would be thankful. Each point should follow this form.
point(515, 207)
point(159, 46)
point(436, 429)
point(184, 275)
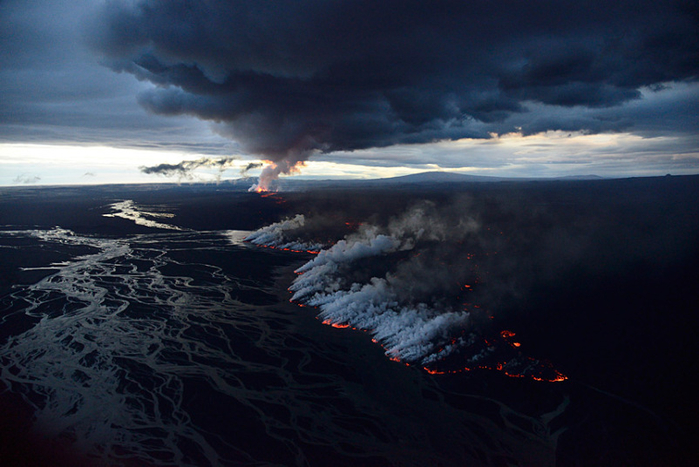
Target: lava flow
point(511, 363)
point(497, 353)
point(354, 285)
point(293, 250)
point(273, 195)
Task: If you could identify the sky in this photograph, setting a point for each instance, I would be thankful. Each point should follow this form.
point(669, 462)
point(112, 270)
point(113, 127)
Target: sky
point(107, 91)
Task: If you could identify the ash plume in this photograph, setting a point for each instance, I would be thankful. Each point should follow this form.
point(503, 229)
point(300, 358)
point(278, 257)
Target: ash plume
point(294, 78)
point(287, 165)
point(251, 166)
point(185, 169)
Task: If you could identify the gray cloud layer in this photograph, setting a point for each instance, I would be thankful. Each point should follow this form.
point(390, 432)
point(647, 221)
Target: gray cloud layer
point(289, 77)
point(53, 90)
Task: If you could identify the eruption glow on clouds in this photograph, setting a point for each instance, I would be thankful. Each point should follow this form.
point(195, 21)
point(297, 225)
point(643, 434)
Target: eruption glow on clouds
point(291, 79)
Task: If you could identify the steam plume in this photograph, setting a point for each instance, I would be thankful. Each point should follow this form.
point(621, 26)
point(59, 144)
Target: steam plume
point(272, 171)
point(274, 235)
point(412, 323)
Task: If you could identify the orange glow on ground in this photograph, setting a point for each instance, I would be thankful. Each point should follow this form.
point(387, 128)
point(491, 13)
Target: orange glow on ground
point(559, 377)
point(532, 369)
point(313, 252)
point(507, 335)
point(327, 322)
point(500, 366)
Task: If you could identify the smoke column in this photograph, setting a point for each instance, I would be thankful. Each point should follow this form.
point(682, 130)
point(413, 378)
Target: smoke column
point(290, 79)
point(274, 169)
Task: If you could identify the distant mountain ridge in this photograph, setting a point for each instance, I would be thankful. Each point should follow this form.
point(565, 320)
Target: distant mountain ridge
point(441, 177)
point(243, 184)
point(451, 177)
point(424, 178)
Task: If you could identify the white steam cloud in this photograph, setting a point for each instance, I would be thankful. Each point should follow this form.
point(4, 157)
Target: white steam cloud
point(274, 236)
point(409, 330)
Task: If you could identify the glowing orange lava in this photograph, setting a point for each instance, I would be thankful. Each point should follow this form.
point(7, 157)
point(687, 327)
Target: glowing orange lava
point(557, 379)
point(506, 335)
point(533, 369)
point(271, 247)
point(327, 322)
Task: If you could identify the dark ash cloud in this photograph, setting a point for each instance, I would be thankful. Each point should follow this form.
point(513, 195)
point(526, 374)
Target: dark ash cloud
point(290, 78)
point(185, 169)
point(251, 166)
point(54, 90)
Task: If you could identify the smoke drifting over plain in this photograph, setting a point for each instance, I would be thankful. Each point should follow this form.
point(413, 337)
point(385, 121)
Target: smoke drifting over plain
point(185, 169)
point(403, 308)
point(442, 280)
point(413, 280)
point(293, 78)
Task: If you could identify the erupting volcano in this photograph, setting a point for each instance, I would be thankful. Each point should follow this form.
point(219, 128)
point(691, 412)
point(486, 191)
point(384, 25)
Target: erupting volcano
point(536, 240)
point(289, 162)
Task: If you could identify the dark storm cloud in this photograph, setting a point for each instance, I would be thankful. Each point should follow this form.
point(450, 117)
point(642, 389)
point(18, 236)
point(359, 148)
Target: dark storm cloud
point(53, 90)
point(288, 78)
